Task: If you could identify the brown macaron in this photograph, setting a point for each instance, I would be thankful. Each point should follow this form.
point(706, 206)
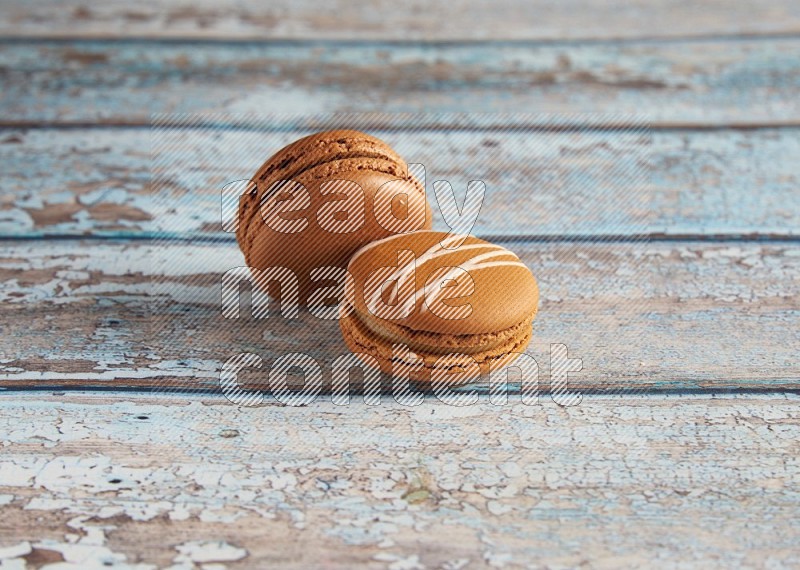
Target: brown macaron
point(318, 200)
point(462, 305)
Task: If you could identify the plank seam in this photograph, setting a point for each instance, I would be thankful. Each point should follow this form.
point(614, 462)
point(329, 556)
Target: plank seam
point(659, 126)
point(752, 237)
point(381, 42)
point(483, 391)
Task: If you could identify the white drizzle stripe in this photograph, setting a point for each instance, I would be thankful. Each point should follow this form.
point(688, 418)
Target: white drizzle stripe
point(437, 250)
point(378, 279)
point(372, 245)
point(463, 289)
point(479, 262)
point(402, 274)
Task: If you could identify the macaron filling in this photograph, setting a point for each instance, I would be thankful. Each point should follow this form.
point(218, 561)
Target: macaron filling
point(439, 343)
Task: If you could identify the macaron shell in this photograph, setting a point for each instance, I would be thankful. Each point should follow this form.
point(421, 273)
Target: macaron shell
point(315, 247)
point(364, 171)
point(505, 291)
point(324, 147)
point(311, 161)
point(310, 152)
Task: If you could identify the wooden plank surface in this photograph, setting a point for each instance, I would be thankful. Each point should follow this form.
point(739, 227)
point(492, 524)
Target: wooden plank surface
point(683, 449)
point(659, 316)
point(619, 482)
point(398, 21)
point(748, 82)
point(696, 183)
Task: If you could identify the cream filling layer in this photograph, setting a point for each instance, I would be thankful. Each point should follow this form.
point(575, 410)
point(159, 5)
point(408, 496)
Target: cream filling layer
point(373, 324)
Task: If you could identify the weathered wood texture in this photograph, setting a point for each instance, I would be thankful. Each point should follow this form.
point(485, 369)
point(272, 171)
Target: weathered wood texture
point(623, 482)
point(634, 479)
point(396, 20)
point(661, 316)
point(98, 181)
point(703, 83)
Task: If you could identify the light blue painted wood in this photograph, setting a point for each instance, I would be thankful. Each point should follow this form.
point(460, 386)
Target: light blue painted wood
point(672, 317)
point(539, 183)
point(617, 481)
point(388, 20)
point(673, 83)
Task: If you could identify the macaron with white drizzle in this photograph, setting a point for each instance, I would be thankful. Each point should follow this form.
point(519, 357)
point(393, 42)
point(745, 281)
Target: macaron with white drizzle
point(438, 294)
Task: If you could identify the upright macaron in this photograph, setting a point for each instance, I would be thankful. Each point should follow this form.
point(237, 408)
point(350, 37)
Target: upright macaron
point(318, 200)
point(451, 300)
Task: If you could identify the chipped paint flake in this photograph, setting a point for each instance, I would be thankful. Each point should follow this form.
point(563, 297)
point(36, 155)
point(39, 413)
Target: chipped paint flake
point(206, 551)
point(15, 551)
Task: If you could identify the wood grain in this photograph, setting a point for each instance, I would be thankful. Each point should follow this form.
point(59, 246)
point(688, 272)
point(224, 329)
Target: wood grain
point(619, 482)
point(663, 316)
point(398, 21)
point(127, 182)
point(118, 449)
point(674, 83)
